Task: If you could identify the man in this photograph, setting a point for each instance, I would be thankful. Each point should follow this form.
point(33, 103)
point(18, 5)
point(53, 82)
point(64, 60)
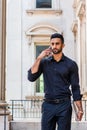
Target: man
point(59, 72)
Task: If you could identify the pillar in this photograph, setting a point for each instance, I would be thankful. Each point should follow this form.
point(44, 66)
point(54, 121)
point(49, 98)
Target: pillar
point(3, 105)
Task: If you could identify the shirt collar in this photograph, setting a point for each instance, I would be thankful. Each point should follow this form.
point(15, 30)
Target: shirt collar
point(62, 59)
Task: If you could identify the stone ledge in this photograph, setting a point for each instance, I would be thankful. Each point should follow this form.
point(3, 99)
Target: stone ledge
point(44, 11)
point(3, 109)
point(34, 97)
point(3, 112)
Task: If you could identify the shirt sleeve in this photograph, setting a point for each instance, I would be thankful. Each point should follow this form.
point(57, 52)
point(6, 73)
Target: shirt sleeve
point(74, 79)
point(34, 76)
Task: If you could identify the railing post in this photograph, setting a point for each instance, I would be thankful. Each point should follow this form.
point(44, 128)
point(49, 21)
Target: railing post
point(5, 118)
point(85, 110)
point(12, 109)
point(4, 113)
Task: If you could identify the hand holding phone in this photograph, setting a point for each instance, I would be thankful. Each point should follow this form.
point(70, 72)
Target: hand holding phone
point(50, 53)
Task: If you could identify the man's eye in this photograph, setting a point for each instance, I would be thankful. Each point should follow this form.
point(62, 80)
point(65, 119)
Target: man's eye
point(52, 43)
point(57, 43)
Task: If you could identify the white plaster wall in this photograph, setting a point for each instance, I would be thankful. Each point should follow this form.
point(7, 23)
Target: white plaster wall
point(14, 53)
point(19, 54)
point(68, 16)
point(86, 45)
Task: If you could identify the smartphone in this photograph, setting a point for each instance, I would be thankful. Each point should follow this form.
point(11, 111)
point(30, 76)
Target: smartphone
point(50, 47)
point(50, 50)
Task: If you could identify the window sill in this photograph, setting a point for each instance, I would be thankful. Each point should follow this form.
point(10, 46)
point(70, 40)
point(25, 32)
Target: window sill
point(44, 11)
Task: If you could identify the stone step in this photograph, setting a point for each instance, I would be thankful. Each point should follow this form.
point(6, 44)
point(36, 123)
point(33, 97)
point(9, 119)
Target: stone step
point(29, 125)
point(25, 126)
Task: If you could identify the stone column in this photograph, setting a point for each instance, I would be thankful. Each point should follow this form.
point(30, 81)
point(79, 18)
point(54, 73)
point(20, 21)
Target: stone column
point(3, 111)
point(86, 42)
point(81, 16)
point(2, 48)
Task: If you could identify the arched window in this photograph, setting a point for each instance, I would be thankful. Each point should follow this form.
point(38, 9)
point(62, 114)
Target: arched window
point(43, 3)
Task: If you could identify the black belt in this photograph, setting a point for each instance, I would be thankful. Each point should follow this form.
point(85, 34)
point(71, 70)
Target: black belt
point(55, 101)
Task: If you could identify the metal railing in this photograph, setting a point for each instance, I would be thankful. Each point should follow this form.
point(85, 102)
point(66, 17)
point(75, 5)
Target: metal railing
point(32, 109)
point(3, 108)
point(25, 108)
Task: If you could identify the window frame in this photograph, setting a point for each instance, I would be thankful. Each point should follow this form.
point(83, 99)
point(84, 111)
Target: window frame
point(40, 79)
point(43, 7)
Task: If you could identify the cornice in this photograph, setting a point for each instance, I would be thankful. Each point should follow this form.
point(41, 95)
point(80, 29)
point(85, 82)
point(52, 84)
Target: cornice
point(44, 11)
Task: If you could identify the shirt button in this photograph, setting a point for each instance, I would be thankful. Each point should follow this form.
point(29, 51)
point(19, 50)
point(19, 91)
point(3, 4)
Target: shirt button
point(55, 69)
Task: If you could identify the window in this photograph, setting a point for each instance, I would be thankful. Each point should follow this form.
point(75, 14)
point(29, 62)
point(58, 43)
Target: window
point(40, 85)
point(39, 81)
point(45, 7)
point(43, 3)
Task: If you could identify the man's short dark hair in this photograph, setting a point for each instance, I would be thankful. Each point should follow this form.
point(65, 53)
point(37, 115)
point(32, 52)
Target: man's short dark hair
point(57, 35)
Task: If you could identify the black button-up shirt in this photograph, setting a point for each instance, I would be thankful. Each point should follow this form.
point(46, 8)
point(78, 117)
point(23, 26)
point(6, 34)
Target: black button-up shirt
point(58, 77)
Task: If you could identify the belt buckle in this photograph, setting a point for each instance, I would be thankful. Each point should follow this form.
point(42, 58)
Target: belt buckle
point(57, 101)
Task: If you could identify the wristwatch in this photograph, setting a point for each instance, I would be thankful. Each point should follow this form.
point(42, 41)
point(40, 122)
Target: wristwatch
point(81, 112)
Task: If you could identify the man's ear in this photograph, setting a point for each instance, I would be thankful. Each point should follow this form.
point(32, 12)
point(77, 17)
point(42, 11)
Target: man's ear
point(63, 45)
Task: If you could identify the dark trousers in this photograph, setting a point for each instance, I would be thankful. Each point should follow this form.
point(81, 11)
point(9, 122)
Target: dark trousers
point(56, 115)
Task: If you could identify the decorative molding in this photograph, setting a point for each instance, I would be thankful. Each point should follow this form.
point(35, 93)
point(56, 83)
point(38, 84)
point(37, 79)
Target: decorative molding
point(75, 26)
point(29, 39)
point(75, 29)
point(44, 11)
point(81, 10)
point(40, 31)
point(74, 3)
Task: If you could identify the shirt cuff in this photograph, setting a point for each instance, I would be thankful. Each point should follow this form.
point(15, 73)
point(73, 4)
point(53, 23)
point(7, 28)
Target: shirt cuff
point(77, 98)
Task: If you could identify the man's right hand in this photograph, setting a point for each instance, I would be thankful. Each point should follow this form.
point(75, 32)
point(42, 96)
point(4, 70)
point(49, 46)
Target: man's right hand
point(44, 53)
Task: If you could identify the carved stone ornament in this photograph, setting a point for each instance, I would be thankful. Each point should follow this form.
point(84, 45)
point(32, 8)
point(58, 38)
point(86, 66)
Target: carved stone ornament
point(75, 26)
point(29, 40)
point(81, 10)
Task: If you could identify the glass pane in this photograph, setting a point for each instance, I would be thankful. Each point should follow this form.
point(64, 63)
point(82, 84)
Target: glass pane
point(40, 84)
point(39, 81)
point(43, 4)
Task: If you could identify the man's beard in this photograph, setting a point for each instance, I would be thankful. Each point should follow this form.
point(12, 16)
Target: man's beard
point(56, 51)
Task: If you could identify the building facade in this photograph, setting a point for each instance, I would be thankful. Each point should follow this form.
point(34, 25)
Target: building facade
point(79, 29)
point(29, 26)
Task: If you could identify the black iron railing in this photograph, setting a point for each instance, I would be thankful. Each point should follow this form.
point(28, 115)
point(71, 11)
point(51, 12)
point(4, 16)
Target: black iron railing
point(3, 108)
point(25, 108)
point(32, 109)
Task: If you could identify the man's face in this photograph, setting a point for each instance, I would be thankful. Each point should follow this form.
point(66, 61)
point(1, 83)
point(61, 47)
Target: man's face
point(56, 45)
